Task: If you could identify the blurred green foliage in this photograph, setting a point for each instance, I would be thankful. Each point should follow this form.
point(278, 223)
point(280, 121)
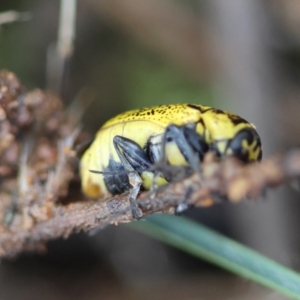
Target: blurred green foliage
point(151, 81)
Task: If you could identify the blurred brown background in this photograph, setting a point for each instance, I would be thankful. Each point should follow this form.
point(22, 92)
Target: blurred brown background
point(241, 56)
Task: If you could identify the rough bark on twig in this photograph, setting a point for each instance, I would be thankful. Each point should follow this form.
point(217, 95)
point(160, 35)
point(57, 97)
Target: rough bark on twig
point(227, 178)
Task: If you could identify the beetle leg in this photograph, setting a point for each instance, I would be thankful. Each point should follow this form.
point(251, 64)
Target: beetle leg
point(134, 160)
point(184, 206)
point(191, 145)
point(153, 151)
point(154, 184)
point(136, 181)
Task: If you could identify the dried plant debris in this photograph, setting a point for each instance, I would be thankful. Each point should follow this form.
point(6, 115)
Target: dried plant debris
point(35, 145)
point(38, 165)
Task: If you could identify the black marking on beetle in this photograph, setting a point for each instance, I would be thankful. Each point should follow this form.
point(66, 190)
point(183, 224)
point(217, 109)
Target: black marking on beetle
point(152, 111)
point(238, 151)
point(236, 120)
point(199, 108)
point(256, 147)
point(260, 155)
point(200, 121)
point(219, 111)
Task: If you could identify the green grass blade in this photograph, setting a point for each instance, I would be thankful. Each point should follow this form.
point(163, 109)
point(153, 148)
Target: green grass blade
point(209, 245)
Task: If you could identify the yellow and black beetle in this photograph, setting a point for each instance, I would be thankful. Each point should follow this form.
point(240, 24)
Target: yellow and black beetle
point(128, 145)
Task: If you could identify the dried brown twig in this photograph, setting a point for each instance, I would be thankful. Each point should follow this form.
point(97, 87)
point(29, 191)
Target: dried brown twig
point(37, 204)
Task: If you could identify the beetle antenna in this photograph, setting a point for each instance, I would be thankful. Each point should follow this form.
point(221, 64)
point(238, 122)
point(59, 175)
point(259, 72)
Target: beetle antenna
point(109, 172)
point(97, 172)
